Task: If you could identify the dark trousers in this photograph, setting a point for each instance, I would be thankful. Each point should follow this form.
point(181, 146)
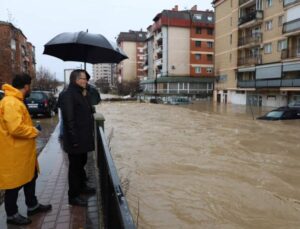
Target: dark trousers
point(77, 175)
point(11, 196)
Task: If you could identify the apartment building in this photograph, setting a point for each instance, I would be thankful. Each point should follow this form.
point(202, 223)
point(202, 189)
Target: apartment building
point(16, 54)
point(290, 52)
point(250, 66)
point(106, 73)
point(179, 57)
point(132, 43)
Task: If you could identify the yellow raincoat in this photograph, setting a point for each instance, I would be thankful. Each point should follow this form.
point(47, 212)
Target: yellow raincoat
point(18, 156)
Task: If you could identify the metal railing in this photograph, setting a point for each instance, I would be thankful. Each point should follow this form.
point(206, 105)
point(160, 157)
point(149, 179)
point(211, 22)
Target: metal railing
point(290, 83)
point(246, 84)
point(115, 211)
point(256, 15)
point(291, 26)
point(250, 60)
point(268, 83)
point(251, 39)
point(286, 53)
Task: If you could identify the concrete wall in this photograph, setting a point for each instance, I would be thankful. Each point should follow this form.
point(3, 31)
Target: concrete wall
point(226, 43)
point(129, 65)
point(179, 51)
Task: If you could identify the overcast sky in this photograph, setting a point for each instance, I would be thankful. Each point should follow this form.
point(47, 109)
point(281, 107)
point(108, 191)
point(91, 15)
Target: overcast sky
point(42, 20)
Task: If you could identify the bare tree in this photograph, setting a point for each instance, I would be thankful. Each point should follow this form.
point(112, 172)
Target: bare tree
point(129, 87)
point(45, 80)
point(103, 85)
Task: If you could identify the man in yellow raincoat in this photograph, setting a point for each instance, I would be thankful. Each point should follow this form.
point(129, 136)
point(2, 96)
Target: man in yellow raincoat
point(18, 157)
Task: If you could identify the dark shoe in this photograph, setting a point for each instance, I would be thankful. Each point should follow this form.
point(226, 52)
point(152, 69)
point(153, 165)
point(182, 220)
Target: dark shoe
point(18, 220)
point(88, 190)
point(39, 209)
point(77, 201)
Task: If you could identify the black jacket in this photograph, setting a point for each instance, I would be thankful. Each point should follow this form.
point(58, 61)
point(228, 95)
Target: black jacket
point(78, 122)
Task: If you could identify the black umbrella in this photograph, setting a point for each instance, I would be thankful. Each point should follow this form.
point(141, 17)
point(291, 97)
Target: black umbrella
point(84, 47)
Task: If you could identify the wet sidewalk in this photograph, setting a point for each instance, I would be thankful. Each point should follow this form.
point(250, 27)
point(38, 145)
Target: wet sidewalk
point(52, 187)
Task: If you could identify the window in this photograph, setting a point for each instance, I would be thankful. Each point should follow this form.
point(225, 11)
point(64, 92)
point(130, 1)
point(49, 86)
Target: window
point(209, 18)
point(210, 31)
point(280, 20)
point(198, 43)
point(209, 57)
point(198, 56)
point(230, 39)
point(209, 70)
point(198, 30)
point(13, 44)
point(198, 16)
point(269, 3)
point(210, 44)
point(268, 48)
point(268, 25)
point(197, 69)
point(281, 45)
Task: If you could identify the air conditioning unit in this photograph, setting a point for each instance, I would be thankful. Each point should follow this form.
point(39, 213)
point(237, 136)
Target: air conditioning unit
point(261, 46)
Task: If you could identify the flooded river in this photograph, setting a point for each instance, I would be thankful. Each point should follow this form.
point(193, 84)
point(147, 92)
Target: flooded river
point(205, 166)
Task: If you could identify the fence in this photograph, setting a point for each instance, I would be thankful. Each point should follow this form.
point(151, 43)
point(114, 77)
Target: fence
point(115, 211)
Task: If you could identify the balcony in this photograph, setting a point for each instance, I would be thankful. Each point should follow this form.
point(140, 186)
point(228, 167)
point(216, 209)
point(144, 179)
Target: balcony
point(158, 36)
point(158, 62)
point(256, 15)
point(251, 60)
point(159, 49)
point(291, 26)
point(289, 54)
point(287, 3)
point(246, 84)
point(268, 83)
point(254, 39)
point(290, 83)
point(273, 83)
point(242, 2)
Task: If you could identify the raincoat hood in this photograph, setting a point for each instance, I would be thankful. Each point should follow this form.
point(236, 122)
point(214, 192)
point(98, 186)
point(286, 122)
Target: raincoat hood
point(11, 91)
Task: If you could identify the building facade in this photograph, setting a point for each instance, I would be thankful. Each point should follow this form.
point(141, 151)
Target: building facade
point(180, 50)
point(16, 54)
point(251, 53)
point(106, 73)
point(132, 43)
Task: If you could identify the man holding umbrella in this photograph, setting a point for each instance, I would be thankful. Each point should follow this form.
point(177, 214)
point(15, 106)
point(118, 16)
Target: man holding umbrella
point(75, 104)
point(78, 137)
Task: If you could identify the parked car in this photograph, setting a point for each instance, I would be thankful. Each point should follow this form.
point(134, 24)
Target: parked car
point(41, 102)
point(178, 100)
point(295, 104)
point(1, 94)
point(282, 113)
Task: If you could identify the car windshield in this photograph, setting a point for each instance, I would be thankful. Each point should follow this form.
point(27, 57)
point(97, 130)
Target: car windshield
point(274, 114)
point(36, 95)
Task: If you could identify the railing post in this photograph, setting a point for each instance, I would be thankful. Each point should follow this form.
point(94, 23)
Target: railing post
point(99, 119)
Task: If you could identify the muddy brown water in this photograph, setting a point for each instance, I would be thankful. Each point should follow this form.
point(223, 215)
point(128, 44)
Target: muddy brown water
point(205, 165)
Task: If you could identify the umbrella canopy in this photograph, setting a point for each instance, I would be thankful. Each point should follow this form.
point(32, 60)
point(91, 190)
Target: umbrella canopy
point(84, 47)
